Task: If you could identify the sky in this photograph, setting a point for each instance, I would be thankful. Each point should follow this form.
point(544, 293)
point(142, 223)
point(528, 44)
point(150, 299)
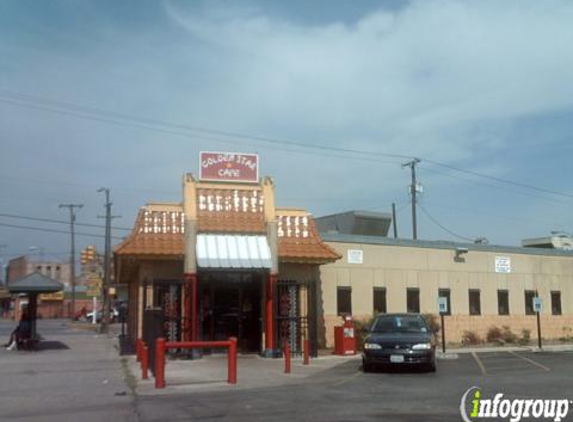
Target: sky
point(333, 95)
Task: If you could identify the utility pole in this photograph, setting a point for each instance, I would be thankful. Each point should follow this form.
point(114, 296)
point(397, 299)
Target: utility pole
point(71, 207)
point(4, 274)
point(107, 263)
point(413, 188)
point(394, 222)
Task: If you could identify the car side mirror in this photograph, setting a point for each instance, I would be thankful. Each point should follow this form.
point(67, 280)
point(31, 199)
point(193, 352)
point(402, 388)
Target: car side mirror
point(366, 329)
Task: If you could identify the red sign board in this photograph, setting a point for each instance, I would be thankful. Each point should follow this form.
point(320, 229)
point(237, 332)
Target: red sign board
point(229, 167)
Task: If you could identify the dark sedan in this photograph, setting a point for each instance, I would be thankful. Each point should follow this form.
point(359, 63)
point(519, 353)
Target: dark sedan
point(399, 339)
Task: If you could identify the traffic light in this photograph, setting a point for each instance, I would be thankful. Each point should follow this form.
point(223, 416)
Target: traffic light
point(90, 253)
point(84, 256)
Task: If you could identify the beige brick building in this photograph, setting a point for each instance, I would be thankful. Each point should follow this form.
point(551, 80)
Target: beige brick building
point(486, 285)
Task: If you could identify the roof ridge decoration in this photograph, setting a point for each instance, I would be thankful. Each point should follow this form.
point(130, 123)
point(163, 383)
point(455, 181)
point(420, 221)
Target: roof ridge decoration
point(161, 232)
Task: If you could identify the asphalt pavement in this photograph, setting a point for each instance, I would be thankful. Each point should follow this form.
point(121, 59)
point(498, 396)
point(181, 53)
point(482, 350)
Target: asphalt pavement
point(78, 375)
point(343, 392)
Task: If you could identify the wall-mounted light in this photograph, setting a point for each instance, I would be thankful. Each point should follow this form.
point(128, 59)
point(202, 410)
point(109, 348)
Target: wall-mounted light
point(459, 253)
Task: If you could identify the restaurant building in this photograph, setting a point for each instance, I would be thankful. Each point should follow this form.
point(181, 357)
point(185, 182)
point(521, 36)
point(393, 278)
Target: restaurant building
point(225, 261)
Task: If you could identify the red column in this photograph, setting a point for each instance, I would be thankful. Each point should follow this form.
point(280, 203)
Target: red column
point(232, 372)
point(190, 307)
point(270, 317)
point(160, 363)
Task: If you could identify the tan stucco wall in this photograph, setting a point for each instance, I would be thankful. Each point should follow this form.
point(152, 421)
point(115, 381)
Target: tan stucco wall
point(400, 267)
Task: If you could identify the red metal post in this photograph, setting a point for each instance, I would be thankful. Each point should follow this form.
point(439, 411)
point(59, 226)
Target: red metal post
point(160, 363)
point(306, 352)
point(287, 358)
point(232, 377)
point(145, 363)
point(270, 318)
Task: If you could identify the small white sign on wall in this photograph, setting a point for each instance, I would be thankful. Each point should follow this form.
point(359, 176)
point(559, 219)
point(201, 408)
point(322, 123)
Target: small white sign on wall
point(502, 264)
point(537, 304)
point(355, 256)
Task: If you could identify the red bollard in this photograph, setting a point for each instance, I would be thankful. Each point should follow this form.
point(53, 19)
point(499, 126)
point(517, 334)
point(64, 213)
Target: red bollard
point(306, 352)
point(287, 358)
point(144, 363)
point(232, 376)
point(138, 349)
point(160, 363)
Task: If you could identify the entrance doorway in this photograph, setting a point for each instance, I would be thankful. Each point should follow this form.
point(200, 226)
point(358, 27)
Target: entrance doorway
point(231, 306)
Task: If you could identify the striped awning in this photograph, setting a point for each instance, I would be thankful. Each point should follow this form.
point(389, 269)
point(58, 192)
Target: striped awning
point(232, 251)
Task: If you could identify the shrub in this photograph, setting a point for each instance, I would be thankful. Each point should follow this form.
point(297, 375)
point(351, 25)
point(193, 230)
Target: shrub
point(525, 337)
point(470, 338)
point(494, 335)
point(507, 335)
point(360, 331)
point(432, 322)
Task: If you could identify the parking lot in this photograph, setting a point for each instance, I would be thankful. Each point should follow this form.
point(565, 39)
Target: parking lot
point(345, 393)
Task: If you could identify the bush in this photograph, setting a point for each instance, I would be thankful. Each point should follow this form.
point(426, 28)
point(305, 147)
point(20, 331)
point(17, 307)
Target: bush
point(432, 322)
point(494, 335)
point(507, 335)
point(360, 330)
point(470, 338)
point(525, 337)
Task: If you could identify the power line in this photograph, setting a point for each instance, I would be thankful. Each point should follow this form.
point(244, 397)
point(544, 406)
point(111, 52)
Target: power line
point(500, 180)
point(49, 220)
point(498, 187)
point(41, 229)
point(142, 122)
point(437, 223)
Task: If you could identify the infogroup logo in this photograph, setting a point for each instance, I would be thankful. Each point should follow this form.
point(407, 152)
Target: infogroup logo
point(474, 407)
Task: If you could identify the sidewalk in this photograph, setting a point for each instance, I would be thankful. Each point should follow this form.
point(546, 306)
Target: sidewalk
point(210, 373)
point(75, 376)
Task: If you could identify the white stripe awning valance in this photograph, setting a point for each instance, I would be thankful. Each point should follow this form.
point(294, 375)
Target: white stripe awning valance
point(232, 251)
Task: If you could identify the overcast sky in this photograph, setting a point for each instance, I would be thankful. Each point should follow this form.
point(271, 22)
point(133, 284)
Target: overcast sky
point(483, 86)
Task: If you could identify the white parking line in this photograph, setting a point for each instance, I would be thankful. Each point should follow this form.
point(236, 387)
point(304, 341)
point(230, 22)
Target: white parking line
point(539, 365)
point(480, 363)
point(348, 379)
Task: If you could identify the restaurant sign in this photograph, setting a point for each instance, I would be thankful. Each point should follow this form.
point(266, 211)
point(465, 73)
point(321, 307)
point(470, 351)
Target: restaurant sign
point(229, 167)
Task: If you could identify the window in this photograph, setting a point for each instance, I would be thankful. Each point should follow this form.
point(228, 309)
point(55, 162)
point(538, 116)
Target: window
point(446, 293)
point(379, 300)
point(475, 303)
point(344, 300)
point(529, 295)
point(503, 302)
point(413, 300)
point(556, 303)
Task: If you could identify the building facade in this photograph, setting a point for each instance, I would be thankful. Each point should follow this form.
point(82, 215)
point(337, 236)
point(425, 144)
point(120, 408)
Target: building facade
point(484, 285)
point(49, 305)
point(224, 262)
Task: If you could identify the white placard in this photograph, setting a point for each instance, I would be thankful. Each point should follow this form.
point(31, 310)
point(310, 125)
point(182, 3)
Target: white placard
point(355, 256)
point(443, 305)
point(537, 304)
point(502, 264)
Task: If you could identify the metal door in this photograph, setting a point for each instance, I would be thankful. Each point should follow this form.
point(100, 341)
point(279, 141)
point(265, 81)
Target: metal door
point(295, 312)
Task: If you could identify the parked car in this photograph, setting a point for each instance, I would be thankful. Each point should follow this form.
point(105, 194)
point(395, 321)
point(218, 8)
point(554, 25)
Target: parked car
point(399, 339)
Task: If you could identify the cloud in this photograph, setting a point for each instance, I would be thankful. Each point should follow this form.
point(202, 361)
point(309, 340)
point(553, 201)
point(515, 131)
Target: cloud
point(420, 75)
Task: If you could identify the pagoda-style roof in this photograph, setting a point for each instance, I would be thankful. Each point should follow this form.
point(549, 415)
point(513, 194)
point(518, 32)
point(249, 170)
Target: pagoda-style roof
point(35, 283)
point(159, 229)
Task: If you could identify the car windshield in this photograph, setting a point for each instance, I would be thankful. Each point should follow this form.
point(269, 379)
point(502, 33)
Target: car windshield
point(399, 324)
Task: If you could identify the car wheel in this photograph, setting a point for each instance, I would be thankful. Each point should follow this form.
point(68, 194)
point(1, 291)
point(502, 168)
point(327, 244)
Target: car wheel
point(366, 367)
point(432, 367)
